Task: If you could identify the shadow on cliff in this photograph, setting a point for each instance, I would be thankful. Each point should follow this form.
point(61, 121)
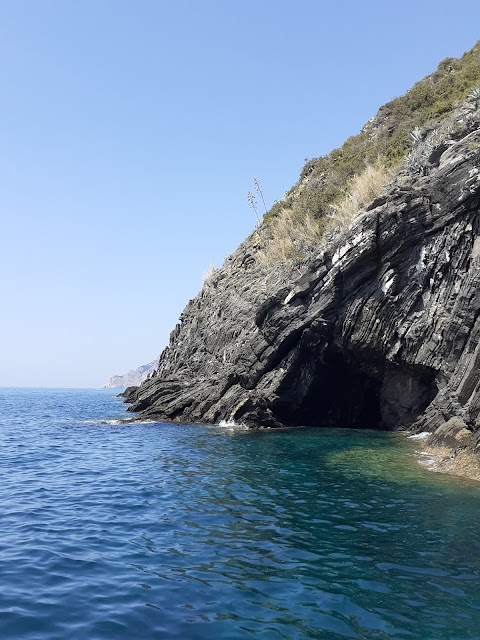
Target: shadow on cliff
point(336, 390)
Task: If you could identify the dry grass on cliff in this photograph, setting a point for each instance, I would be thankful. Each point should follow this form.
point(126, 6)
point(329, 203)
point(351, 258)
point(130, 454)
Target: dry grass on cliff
point(362, 190)
point(293, 236)
point(299, 232)
point(209, 274)
point(428, 103)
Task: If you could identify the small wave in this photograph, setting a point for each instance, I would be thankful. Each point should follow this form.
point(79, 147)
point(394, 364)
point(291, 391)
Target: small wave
point(429, 462)
point(100, 421)
point(420, 436)
point(114, 422)
point(231, 424)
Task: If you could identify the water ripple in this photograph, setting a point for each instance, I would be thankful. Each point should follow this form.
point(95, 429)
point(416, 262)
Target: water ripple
point(168, 531)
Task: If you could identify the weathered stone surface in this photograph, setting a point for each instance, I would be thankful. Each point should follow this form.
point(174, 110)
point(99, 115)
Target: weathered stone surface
point(453, 434)
point(381, 330)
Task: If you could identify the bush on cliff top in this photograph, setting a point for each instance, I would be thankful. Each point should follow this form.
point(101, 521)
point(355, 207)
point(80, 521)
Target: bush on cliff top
point(296, 234)
point(333, 189)
point(323, 181)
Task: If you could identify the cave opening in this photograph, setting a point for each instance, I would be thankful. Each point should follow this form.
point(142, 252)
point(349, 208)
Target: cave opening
point(337, 390)
point(341, 394)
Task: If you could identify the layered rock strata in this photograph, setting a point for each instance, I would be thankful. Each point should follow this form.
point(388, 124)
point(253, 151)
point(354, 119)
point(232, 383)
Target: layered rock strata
point(380, 330)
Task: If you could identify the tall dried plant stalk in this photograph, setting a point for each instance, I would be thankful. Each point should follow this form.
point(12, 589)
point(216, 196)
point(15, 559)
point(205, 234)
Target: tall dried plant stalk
point(259, 190)
point(253, 204)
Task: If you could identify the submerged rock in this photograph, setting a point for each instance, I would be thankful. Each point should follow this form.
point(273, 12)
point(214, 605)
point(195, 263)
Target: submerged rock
point(381, 329)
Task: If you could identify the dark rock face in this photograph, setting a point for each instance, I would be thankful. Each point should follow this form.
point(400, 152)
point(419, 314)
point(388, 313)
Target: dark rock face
point(381, 330)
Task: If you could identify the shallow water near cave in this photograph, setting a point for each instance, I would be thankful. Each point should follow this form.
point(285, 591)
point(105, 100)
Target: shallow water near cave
point(173, 531)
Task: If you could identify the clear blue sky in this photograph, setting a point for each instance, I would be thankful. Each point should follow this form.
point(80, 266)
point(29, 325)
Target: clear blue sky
point(131, 132)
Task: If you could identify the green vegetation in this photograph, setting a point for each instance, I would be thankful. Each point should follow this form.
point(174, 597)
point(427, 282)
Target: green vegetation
point(325, 181)
point(296, 234)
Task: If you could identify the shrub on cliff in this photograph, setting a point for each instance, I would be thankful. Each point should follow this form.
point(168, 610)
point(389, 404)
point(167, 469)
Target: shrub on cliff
point(362, 190)
point(325, 180)
point(290, 240)
point(296, 233)
point(333, 189)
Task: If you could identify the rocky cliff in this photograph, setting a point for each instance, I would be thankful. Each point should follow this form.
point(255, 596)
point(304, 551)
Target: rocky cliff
point(378, 328)
point(134, 377)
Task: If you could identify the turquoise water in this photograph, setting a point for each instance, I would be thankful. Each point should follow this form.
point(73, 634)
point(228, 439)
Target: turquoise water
point(152, 531)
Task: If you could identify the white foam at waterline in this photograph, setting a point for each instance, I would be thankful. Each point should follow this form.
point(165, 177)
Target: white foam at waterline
point(429, 462)
point(227, 423)
point(420, 436)
point(100, 421)
point(119, 421)
point(231, 424)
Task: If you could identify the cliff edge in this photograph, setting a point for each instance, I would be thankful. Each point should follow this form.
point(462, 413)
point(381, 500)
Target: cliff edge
point(377, 326)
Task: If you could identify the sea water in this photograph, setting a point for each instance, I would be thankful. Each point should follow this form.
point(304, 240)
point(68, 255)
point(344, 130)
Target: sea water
point(151, 530)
